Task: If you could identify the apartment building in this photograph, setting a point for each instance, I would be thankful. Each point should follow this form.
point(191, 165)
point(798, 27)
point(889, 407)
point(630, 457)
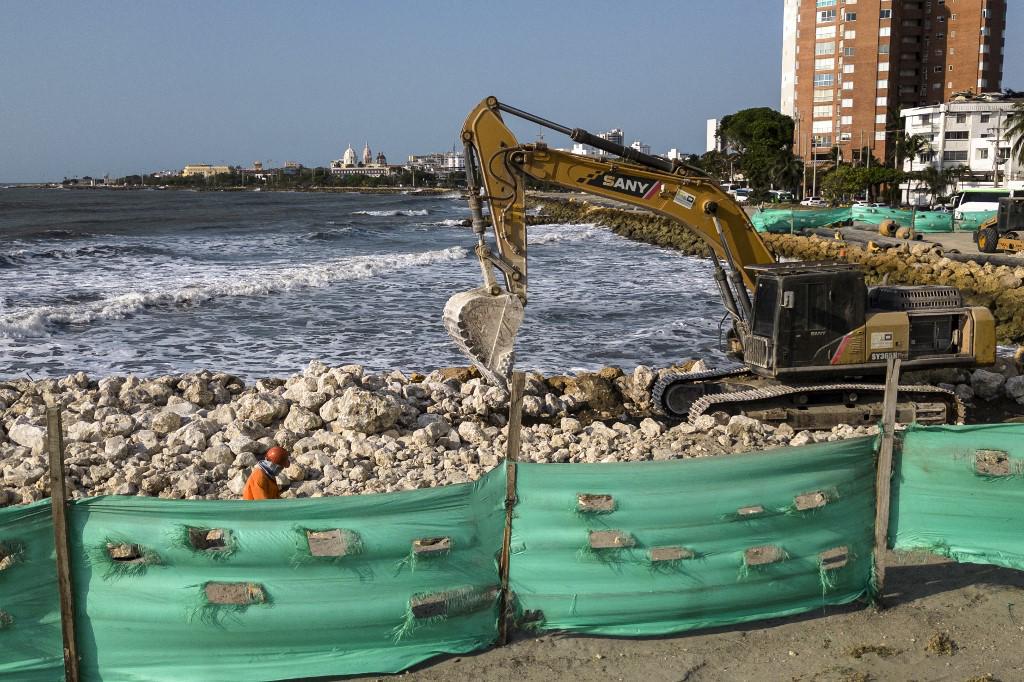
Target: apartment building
point(968, 133)
point(850, 66)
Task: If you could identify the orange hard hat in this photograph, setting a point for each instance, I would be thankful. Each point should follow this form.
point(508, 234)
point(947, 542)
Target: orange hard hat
point(277, 455)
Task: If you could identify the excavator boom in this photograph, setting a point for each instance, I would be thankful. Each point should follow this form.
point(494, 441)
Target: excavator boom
point(483, 322)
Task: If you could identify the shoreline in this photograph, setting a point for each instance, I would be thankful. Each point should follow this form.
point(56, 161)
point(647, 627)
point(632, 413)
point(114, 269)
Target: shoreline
point(244, 188)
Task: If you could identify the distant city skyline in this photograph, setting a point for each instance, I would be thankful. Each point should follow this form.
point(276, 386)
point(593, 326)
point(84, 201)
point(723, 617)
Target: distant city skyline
point(119, 88)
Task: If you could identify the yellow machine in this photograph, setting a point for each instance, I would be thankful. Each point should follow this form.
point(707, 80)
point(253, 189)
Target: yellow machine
point(795, 326)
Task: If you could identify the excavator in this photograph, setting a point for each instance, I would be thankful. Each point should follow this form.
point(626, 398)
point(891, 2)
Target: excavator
point(812, 338)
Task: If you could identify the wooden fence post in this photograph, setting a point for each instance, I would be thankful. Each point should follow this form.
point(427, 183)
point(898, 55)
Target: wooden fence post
point(883, 475)
point(58, 498)
point(515, 422)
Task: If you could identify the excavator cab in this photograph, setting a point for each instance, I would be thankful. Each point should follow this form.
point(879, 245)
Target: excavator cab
point(801, 314)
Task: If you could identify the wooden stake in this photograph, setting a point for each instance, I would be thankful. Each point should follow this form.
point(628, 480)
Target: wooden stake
point(883, 480)
point(515, 422)
point(58, 497)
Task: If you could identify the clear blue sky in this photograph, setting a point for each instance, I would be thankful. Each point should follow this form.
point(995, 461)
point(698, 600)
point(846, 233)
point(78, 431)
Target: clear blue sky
point(117, 87)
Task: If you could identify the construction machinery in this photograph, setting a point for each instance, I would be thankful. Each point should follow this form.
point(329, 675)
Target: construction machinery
point(1004, 230)
point(809, 335)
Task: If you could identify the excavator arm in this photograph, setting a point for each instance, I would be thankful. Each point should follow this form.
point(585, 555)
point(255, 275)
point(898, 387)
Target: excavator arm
point(484, 321)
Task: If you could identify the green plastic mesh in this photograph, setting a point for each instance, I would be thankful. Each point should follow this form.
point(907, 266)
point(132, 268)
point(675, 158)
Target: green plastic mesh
point(942, 504)
point(692, 505)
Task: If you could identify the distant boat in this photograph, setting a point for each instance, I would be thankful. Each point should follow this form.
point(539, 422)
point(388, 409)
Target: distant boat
point(258, 189)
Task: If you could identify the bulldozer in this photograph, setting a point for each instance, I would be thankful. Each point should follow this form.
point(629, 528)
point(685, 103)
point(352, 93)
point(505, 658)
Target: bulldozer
point(1003, 231)
point(811, 338)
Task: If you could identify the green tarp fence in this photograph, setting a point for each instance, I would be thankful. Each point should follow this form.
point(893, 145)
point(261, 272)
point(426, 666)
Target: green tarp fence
point(309, 616)
point(971, 221)
point(387, 581)
point(711, 521)
point(786, 220)
point(959, 492)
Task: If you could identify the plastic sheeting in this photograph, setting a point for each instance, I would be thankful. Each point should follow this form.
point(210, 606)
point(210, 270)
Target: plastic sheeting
point(705, 513)
point(971, 221)
point(304, 615)
point(652, 548)
point(787, 220)
point(30, 636)
point(955, 494)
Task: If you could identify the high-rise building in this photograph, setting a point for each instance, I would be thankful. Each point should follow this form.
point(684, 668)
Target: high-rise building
point(850, 66)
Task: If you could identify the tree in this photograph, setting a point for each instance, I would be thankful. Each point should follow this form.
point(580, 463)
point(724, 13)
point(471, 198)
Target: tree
point(1015, 131)
point(763, 138)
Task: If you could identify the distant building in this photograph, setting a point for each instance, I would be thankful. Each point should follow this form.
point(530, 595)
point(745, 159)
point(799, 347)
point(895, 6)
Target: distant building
point(641, 147)
point(369, 166)
point(846, 67)
point(204, 169)
point(438, 163)
point(676, 155)
point(713, 143)
point(968, 131)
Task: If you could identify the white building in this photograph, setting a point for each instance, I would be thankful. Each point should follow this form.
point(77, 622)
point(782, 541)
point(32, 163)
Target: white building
point(790, 13)
point(349, 164)
point(969, 131)
point(641, 147)
point(713, 143)
point(614, 135)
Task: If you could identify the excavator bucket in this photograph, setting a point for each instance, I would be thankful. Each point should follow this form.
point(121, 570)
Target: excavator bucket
point(484, 327)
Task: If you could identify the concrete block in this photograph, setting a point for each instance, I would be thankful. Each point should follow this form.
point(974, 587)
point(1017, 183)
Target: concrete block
point(589, 503)
point(610, 539)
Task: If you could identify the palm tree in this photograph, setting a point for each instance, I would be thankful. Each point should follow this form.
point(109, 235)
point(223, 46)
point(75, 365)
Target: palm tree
point(1015, 131)
point(786, 170)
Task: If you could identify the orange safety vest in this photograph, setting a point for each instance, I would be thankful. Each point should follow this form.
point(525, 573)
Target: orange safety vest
point(260, 486)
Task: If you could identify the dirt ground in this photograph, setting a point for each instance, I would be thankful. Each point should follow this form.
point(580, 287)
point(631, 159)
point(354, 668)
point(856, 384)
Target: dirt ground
point(942, 621)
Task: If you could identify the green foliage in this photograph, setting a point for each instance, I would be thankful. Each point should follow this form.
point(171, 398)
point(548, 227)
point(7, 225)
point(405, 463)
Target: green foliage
point(1015, 131)
point(763, 139)
point(844, 182)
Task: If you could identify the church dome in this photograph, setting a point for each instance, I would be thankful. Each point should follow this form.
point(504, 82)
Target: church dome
point(349, 158)
point(367, 154)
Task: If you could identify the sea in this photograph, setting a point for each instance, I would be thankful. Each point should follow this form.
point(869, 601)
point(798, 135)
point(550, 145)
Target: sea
point(258, 284)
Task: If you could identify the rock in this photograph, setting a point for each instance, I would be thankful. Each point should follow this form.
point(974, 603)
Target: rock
point(219, 454)
point(471, 432)
point(705, 422)
point(802, 438)
point(115, 447)
point(364, 411)
point(237, 483)
point(651, 428)
point(301, 420)
point(740, 425)
point(84, 432)
point(191, 436)
point(1014, 389)
point(29, 436)
point(570, 425)
point(784, 431)
point(264, 408)
point(165, 422)
point(964, 392)
point(987, 384)
point(117, 425)
point(358, 473)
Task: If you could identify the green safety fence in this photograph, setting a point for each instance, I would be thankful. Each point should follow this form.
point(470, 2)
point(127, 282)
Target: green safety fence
point(972, 220)
point(933, 221)
point(693, 543)
point(224, 590)
point(30, 632)
point(786, 220)
point(876, 216)
point(959, 492)
point(387, 581)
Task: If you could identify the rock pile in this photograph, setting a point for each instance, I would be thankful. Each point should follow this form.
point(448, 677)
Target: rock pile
point(198, 435)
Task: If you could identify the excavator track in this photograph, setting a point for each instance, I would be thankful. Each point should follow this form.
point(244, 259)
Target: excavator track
point(811, 406)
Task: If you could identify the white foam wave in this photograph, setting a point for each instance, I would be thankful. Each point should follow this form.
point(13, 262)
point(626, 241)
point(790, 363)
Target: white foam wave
point(553, 234)
point(450, 222)
point(389, 214)
point(35, 322)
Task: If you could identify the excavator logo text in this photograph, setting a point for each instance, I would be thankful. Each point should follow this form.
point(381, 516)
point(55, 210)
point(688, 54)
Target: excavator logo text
point(626, 184)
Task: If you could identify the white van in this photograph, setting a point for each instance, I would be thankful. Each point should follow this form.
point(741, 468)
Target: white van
point(979, 199)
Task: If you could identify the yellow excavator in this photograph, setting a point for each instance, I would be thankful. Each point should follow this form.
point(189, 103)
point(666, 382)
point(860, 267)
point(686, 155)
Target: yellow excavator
point(810, 335)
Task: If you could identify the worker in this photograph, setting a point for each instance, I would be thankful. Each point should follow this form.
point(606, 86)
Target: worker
point(262, 484)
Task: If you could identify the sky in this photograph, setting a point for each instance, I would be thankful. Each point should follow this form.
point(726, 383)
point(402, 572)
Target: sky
point(104, 87)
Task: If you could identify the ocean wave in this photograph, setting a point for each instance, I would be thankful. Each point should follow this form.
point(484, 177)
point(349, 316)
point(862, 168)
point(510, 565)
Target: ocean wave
point(452, 222)
point(327, 235)
point(36, 322)
point(392, 213)
point(563, 233)
point(26, 256)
